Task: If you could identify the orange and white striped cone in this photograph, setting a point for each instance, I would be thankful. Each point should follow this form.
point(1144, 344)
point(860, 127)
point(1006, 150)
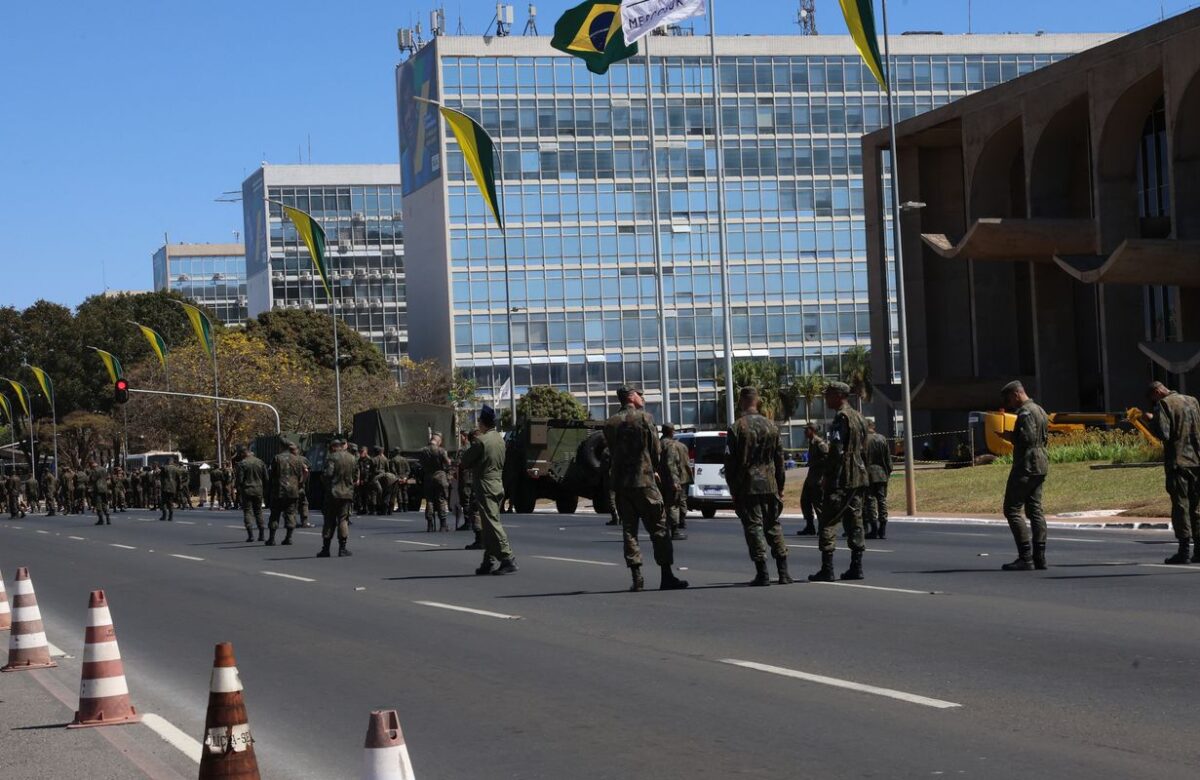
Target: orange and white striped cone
point(228, 747)
point(103, 692)
point(27, 645)
point(5, 612)
point(386, 754)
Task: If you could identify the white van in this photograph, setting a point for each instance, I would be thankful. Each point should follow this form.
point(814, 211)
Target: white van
point(709, 491)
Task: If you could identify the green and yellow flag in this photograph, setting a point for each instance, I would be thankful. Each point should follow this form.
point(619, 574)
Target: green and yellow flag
point(860, 19)
point(22, 395)
point(202, 325)
point(113, 365)
point(314, 238)
point(479, 152)
point(592, 32)
point(6, 408)
point(157, 344)
point(44, 380)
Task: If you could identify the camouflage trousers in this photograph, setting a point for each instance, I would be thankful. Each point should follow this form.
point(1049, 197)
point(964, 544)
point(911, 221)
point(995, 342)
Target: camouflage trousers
point(875, 507)
point(810, 502)
point(1025, 492)
point(435, 501)
point(337, 519)
point(252, 510)
point(644, 506)
point(1183, 486)
point(285, 508)
point(842, 507)
point(495, 540)
point(760, 523)
point(675, 507)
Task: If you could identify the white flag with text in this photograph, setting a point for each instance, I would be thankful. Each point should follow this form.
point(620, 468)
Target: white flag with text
point(641, 17)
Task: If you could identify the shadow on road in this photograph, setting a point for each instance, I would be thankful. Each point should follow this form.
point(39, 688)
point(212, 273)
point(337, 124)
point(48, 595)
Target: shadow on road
point(431, 577)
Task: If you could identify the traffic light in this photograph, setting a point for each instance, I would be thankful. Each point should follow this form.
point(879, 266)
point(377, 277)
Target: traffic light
point(121, 391)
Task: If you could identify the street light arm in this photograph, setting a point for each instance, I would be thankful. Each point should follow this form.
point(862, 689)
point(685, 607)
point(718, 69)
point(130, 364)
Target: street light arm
point(278, 428)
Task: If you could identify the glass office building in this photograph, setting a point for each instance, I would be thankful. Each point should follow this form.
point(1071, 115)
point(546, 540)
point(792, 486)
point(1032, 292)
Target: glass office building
point(213, 275)
point(578, 200)
point(359, 208)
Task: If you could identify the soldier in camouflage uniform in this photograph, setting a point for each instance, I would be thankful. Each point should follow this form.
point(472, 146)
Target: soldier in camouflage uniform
point(168, 490)
point(79, 492)
point(1030, 466)
point(755, 474)
point(287, 474)
point(32, 492)
point(98, 486)
point(302, 501)
point(485, 460)
point(636, 457)
point(1176, 422)
point(341, 470)
point(398, 465)
point(50, 491)
point(810, 494)
point(216, 487)
point(66, 488)
point(844, 481)
point(676, 476)
point(879, 471)
point(120, 489)
point(435, 480)
point(378, 466)
point(250, 474)
point(470, 499)
point(362, 482)
point(13, 490)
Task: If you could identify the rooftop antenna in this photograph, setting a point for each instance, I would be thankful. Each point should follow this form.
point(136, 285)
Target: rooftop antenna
point(531, 24)
point(462, 30)
point(806, 17)
point(504, 20)
point(405, 40)
point(437, 22)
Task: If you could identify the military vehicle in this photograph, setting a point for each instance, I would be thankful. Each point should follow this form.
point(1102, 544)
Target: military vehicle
point(543, 462)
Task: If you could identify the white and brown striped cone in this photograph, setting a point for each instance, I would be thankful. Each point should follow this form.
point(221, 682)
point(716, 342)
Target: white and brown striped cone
point(103, 692)
point(386, 754)
point(228, 746)
point(5, 611)
point(27, 645)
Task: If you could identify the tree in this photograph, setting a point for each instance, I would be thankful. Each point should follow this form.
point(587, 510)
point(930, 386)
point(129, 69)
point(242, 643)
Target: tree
point(765, 376)
point(856, 372)
point(429, 382)
point(809, 387)
point(544, 402)
point(310, 335)
point(86, 435)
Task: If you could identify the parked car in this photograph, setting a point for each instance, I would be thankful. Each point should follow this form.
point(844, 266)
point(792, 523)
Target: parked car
point(709, 491)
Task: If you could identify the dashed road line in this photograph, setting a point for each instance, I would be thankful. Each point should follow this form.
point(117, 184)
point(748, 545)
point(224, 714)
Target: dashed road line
point(573, 560)
point(43, 532)
point(122, 546)
point(816, 547)
point(185, 522)
point(173, 736)
point(483, 612)
point(879, 587)
point(834, 682)
point(185, 557)
point(287, 576)
point(77, 538)
point(420, 544)
point(1176, 567)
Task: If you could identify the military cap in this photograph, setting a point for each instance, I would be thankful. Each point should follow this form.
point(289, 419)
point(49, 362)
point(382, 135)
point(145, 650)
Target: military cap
point(1012, 387)
point(338, 442)
point(624, 391)
point(748, 392)
point(837, 387)
point(487, 416)
point(438, 434)
point(352, 447)
point(668, 429)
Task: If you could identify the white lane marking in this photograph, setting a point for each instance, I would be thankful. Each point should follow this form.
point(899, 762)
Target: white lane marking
point(122, 546)
point(877, 587)
point(44, 532)
point(1176, 567)
point(421, 544)
point(173, 736)
point(816, 547)
point(287, 576)
point(236, 526)
point(965, 533)
point(573, 560)
point(1090, 541)
point(185, 557)
point(185, 522)
point(483, 612)
point(77, 538)
point(56, 651)
point(911, 698)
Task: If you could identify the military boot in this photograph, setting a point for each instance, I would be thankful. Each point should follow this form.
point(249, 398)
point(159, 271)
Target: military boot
point(98, 522)
point(678, 536)
point(639, 584)
point(107, 519)
point(271, 539)
point(670, 581)
point(782, 567)
point(825, 573)
point(477, 544)
point(443, 526)
point(882, 530)
point(287, 539)
point(485, 567)
point(855, 571)
point(249, 535)
point(507, 566)
point(1024, 561)
point(429, 525)
point(614, 520)
point(343, 552)
point(761, 577)
point(1039, 556)
point(260, 534)
point(1183, 556)
point(808, 530)
point(324, 549)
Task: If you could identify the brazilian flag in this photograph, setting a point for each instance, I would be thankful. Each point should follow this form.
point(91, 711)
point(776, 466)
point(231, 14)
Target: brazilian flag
point(860, 20)
point(313, 236)
point(592, 32)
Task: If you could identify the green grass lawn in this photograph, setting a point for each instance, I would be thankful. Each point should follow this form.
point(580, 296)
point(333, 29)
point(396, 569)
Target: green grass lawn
point(1071, 487)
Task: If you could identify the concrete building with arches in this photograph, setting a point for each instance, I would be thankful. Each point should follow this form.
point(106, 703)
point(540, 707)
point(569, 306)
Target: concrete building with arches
point(1052, 233)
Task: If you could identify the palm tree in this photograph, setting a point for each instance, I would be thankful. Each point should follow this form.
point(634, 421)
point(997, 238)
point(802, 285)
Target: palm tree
point(856, 372)
point(809, 387)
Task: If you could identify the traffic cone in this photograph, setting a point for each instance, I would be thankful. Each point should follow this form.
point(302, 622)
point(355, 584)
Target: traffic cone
point(103, 692)
point(27, 646)
point(386, 753)
point(228, 746)
point(5, 612)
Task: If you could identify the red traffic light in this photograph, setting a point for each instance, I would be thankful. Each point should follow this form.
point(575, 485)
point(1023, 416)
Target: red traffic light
point(122, 384)
point(120, 391)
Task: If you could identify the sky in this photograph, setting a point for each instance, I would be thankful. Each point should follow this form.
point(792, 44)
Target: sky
point(125, 122)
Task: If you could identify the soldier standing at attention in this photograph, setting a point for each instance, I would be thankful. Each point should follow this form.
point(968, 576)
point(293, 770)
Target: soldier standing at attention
point(843, 483)
point(13, 488)
point(250, 476)
point(168, 489)
point(811, 495)
point(635, 455)
point(436, 481)
point(1030, 466)
point(79, 492)
point(399, 466)
point(183, 485)
point(485, 459)
point(50, 490)
point(362, 486)
point(302, 501)
point(32, 493)
point(675, 477)
point(378, 467)
point(339, 475)
point(98, 487)
point(879, 471)
point(66, 487)
point(120, 489)
point(216, 487)
point(1176, 422)
point(288, 472)
point(754, 471)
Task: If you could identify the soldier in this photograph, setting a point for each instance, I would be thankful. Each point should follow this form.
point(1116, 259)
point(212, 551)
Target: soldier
point(810, 494)
point(879, 471)
point(216, 487)
point(470, 500)
point(32, 494)
point(1030, 466)
point(79, 492)
point(754, 471)
point(7, 496)
point(435, 480)
point(635, 455)
point(1176, 422)
point(362, 486)
point(250, 476)
point(844, 481)
point(183, 486)
point(302, 502)
point(675, 477)
point(168, 490)
point(485, 459)
point(339, 476)
point(119, 490)
point(150, 487)
point(97, 485)
point(66, 486)
point(398, 465)
point(378, 466)
point(287, 474)
point(50, 491)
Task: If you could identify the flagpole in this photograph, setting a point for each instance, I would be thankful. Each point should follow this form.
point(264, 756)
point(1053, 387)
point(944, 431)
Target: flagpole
point(337, 360)
point(665, 371)
point(512, 363)
point(216, 403)
point(910, 486)
point(726, 314)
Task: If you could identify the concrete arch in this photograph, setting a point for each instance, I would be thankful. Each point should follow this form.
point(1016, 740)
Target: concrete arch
point(1185, 155)
point(1116, 159)
point(1060, 177)
point(1002, 159)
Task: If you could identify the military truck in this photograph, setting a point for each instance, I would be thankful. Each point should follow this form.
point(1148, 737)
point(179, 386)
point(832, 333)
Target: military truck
point(407, 427)
point(313, 446)
point(542, 462)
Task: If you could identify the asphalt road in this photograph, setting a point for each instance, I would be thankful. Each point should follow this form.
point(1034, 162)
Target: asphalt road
point(942, 665)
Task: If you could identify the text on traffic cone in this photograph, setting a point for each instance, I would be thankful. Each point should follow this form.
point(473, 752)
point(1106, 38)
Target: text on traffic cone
point(27, 645)
point(103, 692)
point(386, 755)
point(228, 746)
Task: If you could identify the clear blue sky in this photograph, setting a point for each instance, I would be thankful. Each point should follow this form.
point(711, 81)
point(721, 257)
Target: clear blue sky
point(124, 121)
